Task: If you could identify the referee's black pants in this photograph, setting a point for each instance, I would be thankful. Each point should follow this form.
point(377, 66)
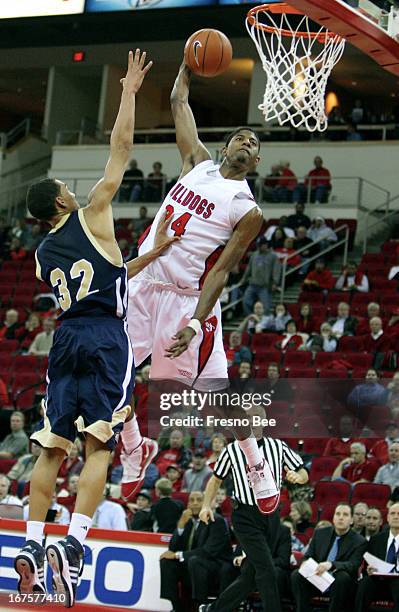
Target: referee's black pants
point(255, 532)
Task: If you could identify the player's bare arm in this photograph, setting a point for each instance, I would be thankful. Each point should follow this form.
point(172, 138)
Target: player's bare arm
point(161, 243)
point(245, 232)
point(98, 213)
point(191, 149)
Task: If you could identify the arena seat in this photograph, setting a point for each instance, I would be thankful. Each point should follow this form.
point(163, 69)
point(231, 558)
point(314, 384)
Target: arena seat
point(322, 467)
point(312, 425)
point(335, 297)
point(8, 346)
point(331, 492)
point(300, 358)
point(371, 493)
point(265, 356)
point(359, 360)
point(263, 342)
point(314, 446)
point(323, 359)
point(350, 344)
point(299, 372)
point(26, 363)
point(327, 372)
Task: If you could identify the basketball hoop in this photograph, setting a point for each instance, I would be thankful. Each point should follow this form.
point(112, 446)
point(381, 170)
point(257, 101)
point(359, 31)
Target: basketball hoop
point(297, 62)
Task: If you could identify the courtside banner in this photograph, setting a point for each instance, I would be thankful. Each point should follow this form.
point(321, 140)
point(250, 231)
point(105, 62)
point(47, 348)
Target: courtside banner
point(98, 6)
point(39, 8)
point(121, 567)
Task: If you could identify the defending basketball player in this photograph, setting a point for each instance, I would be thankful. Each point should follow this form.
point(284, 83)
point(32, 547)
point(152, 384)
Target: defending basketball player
point(212, 207)
point(91, 369)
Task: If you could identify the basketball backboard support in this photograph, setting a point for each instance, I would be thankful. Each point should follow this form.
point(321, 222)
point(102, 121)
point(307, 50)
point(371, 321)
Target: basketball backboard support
point(358, 27)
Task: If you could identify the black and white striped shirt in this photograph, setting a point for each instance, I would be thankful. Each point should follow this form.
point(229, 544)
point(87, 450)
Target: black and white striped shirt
point(232, 460)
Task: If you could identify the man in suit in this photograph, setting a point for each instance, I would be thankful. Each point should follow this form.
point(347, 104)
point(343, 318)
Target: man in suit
point(196, 552)
point(343, 324)
point(385, 546)
point(337, 550)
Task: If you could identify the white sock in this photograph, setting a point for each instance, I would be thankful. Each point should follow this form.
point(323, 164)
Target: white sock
point(131, 436)
point(79, 526)
point(251, 451)
point(34, 531)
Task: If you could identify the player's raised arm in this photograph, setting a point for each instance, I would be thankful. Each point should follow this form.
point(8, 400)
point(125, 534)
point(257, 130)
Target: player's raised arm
point(121, 141)
point(191, 149)
point(245, 232)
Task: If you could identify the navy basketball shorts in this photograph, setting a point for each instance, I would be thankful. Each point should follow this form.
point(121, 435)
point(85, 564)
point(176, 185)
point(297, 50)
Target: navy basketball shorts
point(90, 380)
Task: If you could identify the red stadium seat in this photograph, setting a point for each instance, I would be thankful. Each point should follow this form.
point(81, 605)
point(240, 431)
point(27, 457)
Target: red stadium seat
point(390, 247)
point(300, 358)
point(299, 372)
point(306, 408)
point(323, 359)
point(26, 363)
point(333, 373)
point(311, 297)
point(331, 492)
point(327, 512)
point(359, 360)
point(375, 258)
point(314, 446)
point(264, 357)
point(364, 298)
point(335, 297)
point(312, 426)
point(371, 494)
point(322, 467)
point(11, 265)
point(350, 344)
point(8, 346)
point(263, 342)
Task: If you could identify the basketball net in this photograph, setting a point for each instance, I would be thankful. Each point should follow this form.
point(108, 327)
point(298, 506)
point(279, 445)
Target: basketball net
point(297, 63)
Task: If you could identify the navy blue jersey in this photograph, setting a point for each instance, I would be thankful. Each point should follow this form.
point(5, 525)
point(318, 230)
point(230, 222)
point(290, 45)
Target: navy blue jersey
point(85, 279)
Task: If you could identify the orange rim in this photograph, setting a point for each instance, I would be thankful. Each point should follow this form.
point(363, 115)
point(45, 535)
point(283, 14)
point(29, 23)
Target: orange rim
point(279, 9)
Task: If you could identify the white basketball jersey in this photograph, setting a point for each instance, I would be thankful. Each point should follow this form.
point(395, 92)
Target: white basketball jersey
point(205, 208)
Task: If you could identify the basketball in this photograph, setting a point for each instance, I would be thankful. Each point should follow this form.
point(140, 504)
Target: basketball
point(208, 53)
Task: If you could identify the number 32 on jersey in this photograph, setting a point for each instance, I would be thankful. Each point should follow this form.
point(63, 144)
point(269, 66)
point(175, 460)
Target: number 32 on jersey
point(179, 224)
point(81, 268)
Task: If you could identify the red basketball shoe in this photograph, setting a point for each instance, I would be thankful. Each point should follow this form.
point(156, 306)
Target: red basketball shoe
point(264, 487)
point(134, 467)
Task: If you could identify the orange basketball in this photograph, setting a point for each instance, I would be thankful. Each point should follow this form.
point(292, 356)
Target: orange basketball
point(208, 52)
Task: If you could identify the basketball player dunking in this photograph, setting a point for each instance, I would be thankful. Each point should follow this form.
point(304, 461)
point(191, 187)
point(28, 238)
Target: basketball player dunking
point(176, 297)
point(91, 371)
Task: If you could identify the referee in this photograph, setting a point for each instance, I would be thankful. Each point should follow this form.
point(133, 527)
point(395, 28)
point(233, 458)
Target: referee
point(257, 533)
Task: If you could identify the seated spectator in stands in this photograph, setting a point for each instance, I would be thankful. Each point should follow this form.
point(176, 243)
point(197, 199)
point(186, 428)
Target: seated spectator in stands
point(373, 523)
point(357, 113)
point(352, 280)
point(335, 116)
point(4, 399)
point(389, 473)
point(343, 324)
point(393, 396)
point(322, 233)
point(196, 477)
point(270, 184)
point(384, 545)
point(223, 504)
point(359, 518)
point(352, 135)
point(173, 473)
point(263, 274)
point(196, 552)
point(319, 279)
point(60, 513)
point(319, 181)
point(46, 304)
point(26, 333)
point(380, 449)
point(291, 340)
point(301, 241)
point(16, 444)
point(142, 519)
point(132, 185)
point(276, 321)
point(306, 322)
point(235, 351)
point(5, 497)
point(67, 496)
point(376, 342)
point(336, 549)
point(356, 468)
point(286, 231)
point(296, 544)
point(34, 237)
point(392, 327)
point(287, 251)
point(286, 183)
point(340, 447)
point(141, 224)
point(109, 514)
point(218, 442)
point(256, 321)
point(19, 230)
point(174, 453)
point(22, 470)
point(72, 464)
point(17, 251)
point(280, 389)
point(324, 341)
point(300, 515)
point(43, 341)
point(369, 393)
point(298, 219)
point(373, 310)
point(9, 328)
point(166, 511)
point(155, 184)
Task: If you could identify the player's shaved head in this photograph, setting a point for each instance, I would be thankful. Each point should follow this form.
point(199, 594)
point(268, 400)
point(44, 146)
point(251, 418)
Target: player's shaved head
point(242, 128)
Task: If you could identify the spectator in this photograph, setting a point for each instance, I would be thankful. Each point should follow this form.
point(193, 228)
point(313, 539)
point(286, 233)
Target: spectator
point(16, 443)
point(277, 238)
point(142, 519)
point(173, 473)
point(25, 334)
point(300, 515)
point(166, 511)
point(141, 224)
point(244, 370)
point(17, 252)
point(287, 252)
point(322, 233)
point(155, 184)
point(276, 321)
point(320, 279)
point(296, 544)
point(389, 473)
point(337, 549)
point(176, 453)
point(19, 230)
point(124, 248)
point(393, 396)
point(376, 342)
point(340, 447)
point(279, 388)
point(235, 351)
point(196, 552)
point(359, 518)
point(357, 113)
point(325, 341)
point(22, 470)
point(109, 515)
point(335, 117)
point(393, 322)
point(34, 237)
point(43, 341)
point(283, 226)
point(384, 546)
point(132, 184)
point(317, 185)
point(252, 180)
point(218, 443)
point(373, 310)
point(60, 513)
point(271, 183)
point(291, 340)
point(5, 497)
point(9, 328)
point(369, 393)
point(356, 468)
point(195, 478)
point(306, 323)
point(286, 183)
point(343, 324)
point(373, 523)
point(299, 219)
point(301, 241)
point(352, 280)
point(72, 464)
point(263, 274)
point(256, 321)
point(380, 449)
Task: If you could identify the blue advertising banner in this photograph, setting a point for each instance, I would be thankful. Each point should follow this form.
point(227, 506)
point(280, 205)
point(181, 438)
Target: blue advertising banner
point(98, 6)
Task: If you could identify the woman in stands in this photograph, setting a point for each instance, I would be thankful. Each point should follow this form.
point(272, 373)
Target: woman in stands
point(278, 238)
point(300, 515)
point(291, 340)
point(217, 445)
point(306, 322)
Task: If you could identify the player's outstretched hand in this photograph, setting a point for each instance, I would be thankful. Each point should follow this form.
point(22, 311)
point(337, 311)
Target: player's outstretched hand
point(206, 515)
point(183, 339)
point(162, 240)
point(136, 71)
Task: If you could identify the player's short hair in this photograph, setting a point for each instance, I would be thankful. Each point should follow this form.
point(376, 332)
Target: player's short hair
point(40, 199)
point(241, 129)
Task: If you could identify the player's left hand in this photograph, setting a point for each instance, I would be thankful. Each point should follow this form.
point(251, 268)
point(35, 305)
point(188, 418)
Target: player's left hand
point(162, 240)
point(183, 339)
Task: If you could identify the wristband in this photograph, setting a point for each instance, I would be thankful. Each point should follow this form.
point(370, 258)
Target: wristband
point(195, 324)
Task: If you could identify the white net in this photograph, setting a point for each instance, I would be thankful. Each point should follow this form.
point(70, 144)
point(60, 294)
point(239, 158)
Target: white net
point(298, 63)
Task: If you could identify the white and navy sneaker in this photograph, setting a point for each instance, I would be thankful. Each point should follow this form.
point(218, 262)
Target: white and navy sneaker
point(29, 564)
point(66, 561)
